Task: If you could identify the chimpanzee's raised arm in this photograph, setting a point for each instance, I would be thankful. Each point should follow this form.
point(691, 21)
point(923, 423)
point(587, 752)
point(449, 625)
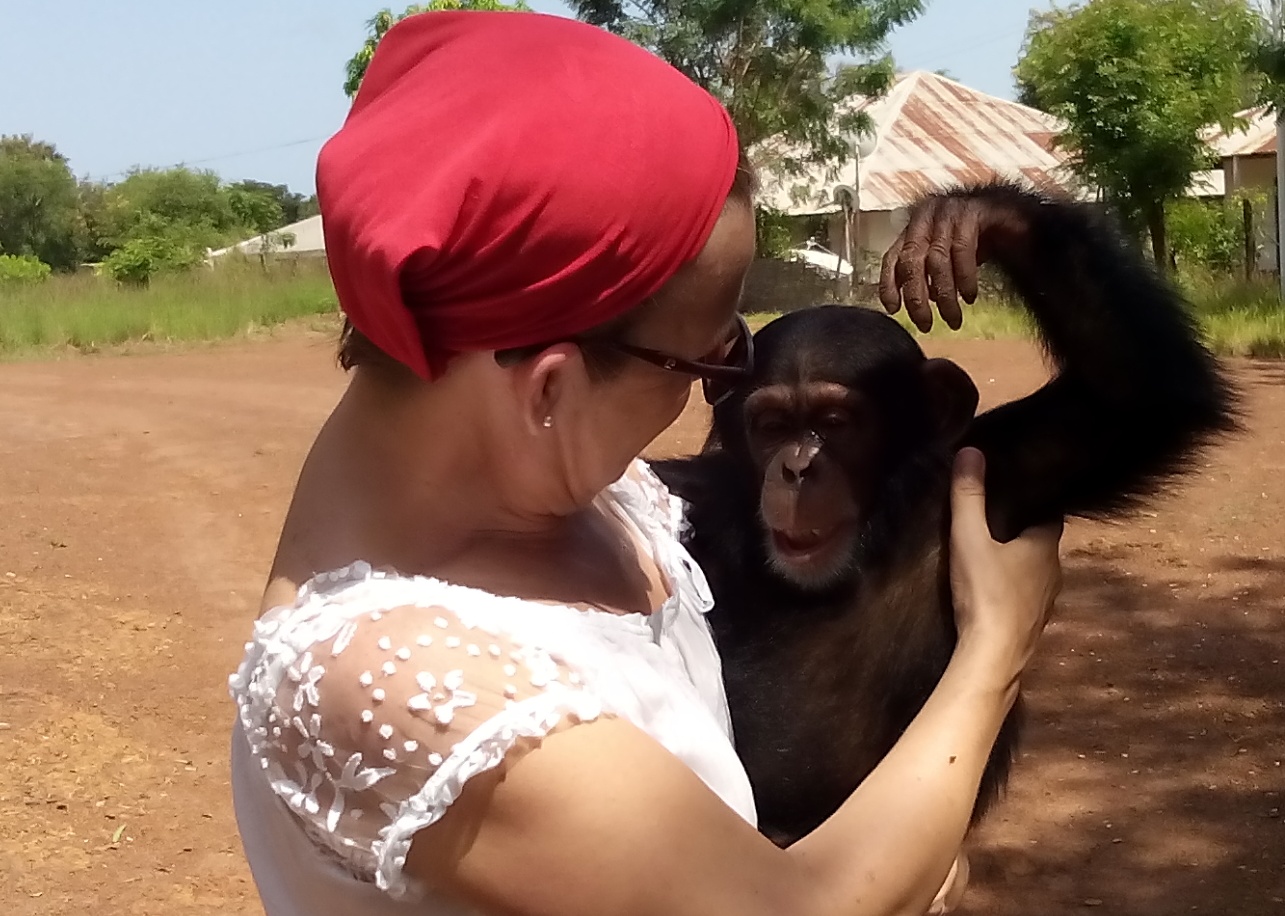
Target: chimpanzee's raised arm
point(1136, 394)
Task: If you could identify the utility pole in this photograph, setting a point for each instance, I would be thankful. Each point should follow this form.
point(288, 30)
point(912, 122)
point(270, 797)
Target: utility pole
point(1280, 161)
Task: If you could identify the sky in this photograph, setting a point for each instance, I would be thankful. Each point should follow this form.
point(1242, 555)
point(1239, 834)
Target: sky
point(251, 88)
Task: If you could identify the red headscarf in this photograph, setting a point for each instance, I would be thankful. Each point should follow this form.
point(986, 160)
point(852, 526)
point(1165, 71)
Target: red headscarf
point(506, 179)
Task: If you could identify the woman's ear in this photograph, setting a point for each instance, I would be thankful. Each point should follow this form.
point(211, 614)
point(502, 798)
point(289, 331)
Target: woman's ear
point(544, 382)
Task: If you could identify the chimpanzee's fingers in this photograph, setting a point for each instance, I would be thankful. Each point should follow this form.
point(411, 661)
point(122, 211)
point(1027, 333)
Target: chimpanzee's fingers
point(910, 270)
point(940, 266)
point(963, 253)
point(889, 293)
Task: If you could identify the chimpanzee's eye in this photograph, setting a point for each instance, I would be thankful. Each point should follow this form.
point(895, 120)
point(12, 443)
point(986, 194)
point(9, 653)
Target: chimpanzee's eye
point(771, 425)
point(832, 420)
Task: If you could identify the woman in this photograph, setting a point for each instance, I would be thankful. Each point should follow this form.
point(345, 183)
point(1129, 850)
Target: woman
point(483, 682)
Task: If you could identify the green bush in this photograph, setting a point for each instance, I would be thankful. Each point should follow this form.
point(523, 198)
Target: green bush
point(773, 238)
point(140, 259)
point(23, 268)
point(1206, 235)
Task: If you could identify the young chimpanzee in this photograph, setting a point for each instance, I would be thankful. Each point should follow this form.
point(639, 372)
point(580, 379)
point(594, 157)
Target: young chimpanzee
point(819, 506)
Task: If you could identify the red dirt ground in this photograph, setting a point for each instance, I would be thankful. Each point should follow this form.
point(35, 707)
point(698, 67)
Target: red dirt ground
point(142, 497)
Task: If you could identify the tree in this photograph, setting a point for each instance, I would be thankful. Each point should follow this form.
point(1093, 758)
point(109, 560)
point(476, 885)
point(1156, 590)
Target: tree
point(93, 224)
point(179, 204)
point(256, 209)
point(38, 202)
point(767, 61)
point(293, 206)
point(1136, 81)
point(385, 19)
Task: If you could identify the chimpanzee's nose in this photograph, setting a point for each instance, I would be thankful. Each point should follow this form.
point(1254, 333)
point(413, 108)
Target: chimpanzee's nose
point(797, 463)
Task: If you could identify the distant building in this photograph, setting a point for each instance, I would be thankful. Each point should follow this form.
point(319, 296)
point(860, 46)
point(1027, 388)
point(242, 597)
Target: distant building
point(303, 239)
point(1249, 165)
point(930, 133)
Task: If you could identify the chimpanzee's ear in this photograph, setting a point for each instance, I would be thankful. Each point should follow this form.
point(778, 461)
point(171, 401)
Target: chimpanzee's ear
point(952, 397)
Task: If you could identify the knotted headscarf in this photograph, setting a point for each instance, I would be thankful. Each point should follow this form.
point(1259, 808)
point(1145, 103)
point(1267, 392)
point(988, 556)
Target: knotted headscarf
point(506, 179)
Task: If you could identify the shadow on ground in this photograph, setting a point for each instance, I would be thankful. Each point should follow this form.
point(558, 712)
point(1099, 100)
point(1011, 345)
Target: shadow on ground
point(1151, 780)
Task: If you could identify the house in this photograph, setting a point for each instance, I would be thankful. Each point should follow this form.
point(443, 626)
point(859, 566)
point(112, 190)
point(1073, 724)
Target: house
point(1248, 159)
point(303, 239)
point(930, 133)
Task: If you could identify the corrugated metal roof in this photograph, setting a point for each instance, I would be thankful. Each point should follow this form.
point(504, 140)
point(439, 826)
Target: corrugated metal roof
point(1256, 139)
point(932, 132)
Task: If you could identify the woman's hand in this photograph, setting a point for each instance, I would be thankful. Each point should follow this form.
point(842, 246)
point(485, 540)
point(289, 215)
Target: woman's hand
point(1003, 593)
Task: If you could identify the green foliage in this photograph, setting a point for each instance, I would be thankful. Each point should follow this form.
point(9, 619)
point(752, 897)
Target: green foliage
point(1136, 81)
point(768, 61)
point(385, 19)
point(94, 222)
point(293, 207)
point(140, 259)
point(159, 220)
point(22, 268)
point(773, 236)
point(1208, 235)
point(38, 202)
point(255, 209)
point(153, 220)
point(175, 202)
point(1268, 64)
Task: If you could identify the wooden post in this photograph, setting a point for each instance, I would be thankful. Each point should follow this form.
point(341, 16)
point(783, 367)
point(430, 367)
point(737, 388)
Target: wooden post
point(1247, 222)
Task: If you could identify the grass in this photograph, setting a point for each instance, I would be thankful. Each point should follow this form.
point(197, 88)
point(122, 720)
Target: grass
point(1244, 318)
point(88, 313)
point(1239, 318)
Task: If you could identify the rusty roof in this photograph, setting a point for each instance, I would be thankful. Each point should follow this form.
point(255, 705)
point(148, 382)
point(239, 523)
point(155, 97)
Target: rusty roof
point(1257, 138)
point(931, 133)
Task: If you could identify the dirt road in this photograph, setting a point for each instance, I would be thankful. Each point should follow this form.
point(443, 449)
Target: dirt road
point(141, 500)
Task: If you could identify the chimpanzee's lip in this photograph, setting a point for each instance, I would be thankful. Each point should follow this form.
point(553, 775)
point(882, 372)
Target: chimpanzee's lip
point(801, 545)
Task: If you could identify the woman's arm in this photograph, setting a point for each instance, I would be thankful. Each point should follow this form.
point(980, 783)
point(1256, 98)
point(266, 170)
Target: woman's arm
point(599, 818)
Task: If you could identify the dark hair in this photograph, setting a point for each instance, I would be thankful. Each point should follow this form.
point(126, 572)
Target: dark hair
point(356, 349)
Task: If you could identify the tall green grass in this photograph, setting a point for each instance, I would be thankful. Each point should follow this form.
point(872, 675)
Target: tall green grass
point(1240, 318)
point(87, 312)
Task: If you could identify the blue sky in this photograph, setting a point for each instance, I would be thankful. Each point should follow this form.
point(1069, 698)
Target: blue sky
point(251, 88)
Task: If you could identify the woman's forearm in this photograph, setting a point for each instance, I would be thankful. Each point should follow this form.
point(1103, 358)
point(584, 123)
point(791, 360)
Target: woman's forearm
point(892, 843)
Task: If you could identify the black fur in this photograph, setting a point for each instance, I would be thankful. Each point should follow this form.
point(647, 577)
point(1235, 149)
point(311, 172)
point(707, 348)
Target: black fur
point(822, 685)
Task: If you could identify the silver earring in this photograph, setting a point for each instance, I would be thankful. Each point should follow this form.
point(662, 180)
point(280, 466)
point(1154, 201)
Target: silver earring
point(547, 423)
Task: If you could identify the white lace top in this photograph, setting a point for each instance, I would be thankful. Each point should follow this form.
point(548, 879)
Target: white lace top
point(366, 706)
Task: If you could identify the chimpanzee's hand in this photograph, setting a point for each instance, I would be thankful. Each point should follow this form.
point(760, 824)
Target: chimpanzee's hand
point(935, 259)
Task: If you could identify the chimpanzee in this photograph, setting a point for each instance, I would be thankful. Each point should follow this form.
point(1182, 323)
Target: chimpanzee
point(819, 507)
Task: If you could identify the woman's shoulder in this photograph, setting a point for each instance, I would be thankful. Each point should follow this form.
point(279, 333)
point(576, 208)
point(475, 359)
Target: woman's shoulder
point(371, 701)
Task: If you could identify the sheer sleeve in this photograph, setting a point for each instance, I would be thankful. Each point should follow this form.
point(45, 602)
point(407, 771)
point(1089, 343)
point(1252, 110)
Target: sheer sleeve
point(370, 730)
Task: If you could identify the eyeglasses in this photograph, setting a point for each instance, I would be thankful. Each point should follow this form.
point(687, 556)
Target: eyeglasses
point(720, 371)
